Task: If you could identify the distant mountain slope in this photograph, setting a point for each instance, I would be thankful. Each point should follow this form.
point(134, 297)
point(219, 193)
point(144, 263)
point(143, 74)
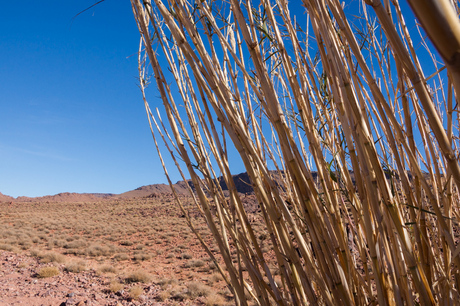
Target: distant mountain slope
point(67, 197)
point(5, 198)
point(147, 190)
point(242, 183)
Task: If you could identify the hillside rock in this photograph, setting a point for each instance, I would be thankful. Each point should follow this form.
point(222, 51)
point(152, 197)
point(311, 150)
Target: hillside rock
point(5, 198)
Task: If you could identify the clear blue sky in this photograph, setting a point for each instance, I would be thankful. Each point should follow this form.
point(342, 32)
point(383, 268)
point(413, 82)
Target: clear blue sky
point(71, 114)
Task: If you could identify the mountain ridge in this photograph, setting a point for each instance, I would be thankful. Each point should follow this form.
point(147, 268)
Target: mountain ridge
point(242, 183)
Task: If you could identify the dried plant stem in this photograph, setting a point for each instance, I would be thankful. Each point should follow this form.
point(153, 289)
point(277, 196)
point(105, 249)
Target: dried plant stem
point(376, 220)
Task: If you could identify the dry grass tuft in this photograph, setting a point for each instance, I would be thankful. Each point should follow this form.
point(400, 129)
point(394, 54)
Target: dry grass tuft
point(141, 257)
point(196, 289)
point(215, 277)
point(75, 244)
point(138, 277)
point(135, 292)
point(8, 247)
point(167, 282)
point(215, 299)
point(194, 263)
point(96, 250)
point(76, 267)
point(116, 286)
point(107, 269)
point(121, 257)
point(126, 243)
point(50, 257)
point(48, 272)
point(164, 295)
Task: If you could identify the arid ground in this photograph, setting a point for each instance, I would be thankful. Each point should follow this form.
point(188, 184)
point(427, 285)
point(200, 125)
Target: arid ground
point(96, 249)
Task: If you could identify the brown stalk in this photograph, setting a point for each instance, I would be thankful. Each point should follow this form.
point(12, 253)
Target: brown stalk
point(380, 233)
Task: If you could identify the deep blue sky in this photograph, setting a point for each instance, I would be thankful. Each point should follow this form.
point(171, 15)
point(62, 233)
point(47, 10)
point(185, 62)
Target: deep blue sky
point(71, 114)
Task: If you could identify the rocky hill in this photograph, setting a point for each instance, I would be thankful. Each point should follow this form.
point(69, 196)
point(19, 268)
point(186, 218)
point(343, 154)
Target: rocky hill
point(241, 180)
point(5, 198)
point(242, 183)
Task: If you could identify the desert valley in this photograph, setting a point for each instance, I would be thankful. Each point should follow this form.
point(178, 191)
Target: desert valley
point(133, 248)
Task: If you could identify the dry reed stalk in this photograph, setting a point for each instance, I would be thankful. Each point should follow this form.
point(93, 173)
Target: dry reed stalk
point(373, 227)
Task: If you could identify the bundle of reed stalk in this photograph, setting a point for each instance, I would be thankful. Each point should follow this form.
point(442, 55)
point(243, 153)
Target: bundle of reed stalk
point(345, 96)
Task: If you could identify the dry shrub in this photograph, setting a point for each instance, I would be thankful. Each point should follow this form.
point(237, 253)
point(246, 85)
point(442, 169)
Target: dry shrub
point(167, 282)
point(204, 269)
point(215, 277)
point(138, 277)
point(186, 256)
point(164, 295)
point(8, 247)
point(196, 289)
point(350, 147)
point(25, 244)
point(126, 243)
point(78, 252)
point(34, 252)
point(51, 257)
point(75, 244)
point(76, 267)
point(179, 294)
point(141, 257)
point(58, 243)
point(96, 250)
point(48, 272)
point(116, 286)
point(195, 263)
point(121, 257)
point(212, 266)
point(107, 269)
point(135, 292)
point(215, 299)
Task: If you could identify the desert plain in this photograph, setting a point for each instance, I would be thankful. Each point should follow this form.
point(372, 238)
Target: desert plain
point(133, 248)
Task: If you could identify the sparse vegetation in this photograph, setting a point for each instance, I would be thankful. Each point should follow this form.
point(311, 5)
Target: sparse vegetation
point(46, 257)
point(8, 247)
point(126, 243)
point(215, 299)
point(165, 282)
point(138, 277)
point(46, 272)
point(186, 256)
point(76, 267)
point(141, 257)
point(194, 263)
point(100, 250)
point(121, 256)
point(178, 293)
point(116, 286)
point(215, 277)
point(107, 269)
point(74, 244)
point(135, 292)
point(80, 233)
point(196, 289)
